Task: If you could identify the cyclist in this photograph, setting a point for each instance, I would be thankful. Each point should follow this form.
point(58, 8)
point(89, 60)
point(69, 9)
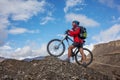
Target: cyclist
point(78, 42)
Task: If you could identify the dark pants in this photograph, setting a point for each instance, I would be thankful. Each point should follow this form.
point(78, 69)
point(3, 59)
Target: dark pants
point(79, 45)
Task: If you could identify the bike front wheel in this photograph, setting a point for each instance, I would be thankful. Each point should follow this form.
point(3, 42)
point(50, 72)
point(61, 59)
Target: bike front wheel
point(56, 48)
point(88, 54)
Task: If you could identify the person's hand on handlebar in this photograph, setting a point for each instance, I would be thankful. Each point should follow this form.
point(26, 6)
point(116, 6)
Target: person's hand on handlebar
point(66, 32)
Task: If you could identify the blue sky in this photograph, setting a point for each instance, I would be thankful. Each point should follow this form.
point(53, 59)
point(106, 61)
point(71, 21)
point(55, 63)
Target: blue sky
point(26, 26)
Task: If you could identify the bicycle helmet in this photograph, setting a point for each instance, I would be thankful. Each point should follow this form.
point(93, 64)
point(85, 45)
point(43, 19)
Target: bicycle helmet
point(76, 22)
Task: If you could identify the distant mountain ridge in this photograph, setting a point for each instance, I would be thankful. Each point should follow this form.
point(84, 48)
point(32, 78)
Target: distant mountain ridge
point(26, 59)
point(2, 59)
point(35, 58)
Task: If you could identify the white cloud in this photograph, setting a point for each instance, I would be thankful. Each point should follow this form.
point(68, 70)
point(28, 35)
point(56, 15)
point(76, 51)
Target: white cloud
point(3, 32)
point(111, 3)
point(115, 20)
point(16, 30)
point(5, 47)
point(84, 20)
point(71, 4)
point(90, 46)
point(29, 52)
point(46, 19)
point(25, 52)
point(113, 33)
point(20, 53)
point(71, 7)
point(18, 10)
point(3, 36)
point(3, 22)
point(42, 51)
point(21, 9)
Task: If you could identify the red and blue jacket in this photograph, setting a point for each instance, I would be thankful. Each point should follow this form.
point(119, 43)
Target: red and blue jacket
point(75, 34)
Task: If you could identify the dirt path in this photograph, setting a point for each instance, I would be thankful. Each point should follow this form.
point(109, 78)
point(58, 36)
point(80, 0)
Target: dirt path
point(107, 64)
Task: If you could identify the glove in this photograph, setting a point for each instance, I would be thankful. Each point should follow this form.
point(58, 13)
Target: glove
point(66, 32)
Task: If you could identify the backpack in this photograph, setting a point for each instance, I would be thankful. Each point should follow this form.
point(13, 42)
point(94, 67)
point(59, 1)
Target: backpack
point(83, 32)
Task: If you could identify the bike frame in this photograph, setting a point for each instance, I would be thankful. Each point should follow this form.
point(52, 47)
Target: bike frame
point(67, 38)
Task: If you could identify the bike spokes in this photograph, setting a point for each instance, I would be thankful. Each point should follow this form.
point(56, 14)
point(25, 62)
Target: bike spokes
point(79, 57)
point(56, 48)
point(88, 57)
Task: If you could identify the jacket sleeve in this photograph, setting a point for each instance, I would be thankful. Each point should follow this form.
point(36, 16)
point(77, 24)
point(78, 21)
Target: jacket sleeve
point(74, 33)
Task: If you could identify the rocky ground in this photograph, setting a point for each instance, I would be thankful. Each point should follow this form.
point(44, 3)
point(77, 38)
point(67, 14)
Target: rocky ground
point(49, 68)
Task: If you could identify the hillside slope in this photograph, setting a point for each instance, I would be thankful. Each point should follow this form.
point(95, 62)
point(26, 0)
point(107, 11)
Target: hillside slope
point(107, 58)
point(49, 68)
point(2, 59)
point(108, 53)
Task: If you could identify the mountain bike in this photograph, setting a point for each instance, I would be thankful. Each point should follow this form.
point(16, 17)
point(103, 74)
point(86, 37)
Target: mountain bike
point(56, 48)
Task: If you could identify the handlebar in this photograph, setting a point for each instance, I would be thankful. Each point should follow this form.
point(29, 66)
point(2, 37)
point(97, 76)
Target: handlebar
point(66, 32)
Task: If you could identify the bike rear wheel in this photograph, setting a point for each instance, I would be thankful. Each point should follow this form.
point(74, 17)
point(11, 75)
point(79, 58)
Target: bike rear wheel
point(88, 54)
point(56, 48)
